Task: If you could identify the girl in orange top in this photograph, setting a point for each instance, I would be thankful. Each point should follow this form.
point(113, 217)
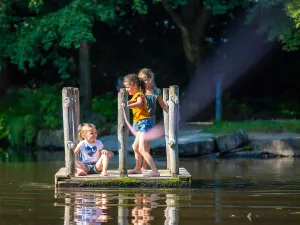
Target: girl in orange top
point(143, 122)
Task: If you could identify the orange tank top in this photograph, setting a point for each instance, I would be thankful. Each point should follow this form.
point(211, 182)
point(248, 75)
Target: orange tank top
point(141, 112)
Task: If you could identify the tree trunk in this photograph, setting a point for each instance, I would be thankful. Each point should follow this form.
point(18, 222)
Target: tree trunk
point(85, 76)
point(192, 24)
point(4, 80)
point(194, 51)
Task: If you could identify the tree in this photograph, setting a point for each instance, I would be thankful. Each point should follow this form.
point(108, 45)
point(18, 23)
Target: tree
point(36, 32)
point(193, 18)
point(280, 19)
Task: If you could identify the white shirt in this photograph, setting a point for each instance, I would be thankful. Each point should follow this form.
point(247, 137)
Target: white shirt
point(89, 152)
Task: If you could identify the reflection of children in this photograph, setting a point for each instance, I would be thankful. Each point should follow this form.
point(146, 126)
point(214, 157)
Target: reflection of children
point(92, 157)
point(90, 211)
point(153, 95)
point(136, 87)
point(144, 204)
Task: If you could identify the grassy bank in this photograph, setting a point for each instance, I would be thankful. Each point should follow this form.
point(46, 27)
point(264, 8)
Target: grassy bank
point(254, 126)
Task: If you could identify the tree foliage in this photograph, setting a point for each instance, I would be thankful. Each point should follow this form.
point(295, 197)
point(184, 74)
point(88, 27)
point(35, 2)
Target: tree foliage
point(280, 19)
point(25, 111)
point(33, 32)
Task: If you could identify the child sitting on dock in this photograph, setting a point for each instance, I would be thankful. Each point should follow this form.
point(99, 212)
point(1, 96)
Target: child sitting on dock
point(136, 87)
point(90, 156)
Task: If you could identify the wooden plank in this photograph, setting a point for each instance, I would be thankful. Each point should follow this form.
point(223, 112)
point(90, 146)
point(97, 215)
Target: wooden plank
point(133, 180)
point(61, 172)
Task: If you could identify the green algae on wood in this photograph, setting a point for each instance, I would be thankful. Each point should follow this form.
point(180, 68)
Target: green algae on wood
point(127, 182)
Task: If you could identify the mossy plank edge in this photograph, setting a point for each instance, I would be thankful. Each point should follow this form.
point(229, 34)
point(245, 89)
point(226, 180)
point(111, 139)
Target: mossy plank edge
point(126, 183)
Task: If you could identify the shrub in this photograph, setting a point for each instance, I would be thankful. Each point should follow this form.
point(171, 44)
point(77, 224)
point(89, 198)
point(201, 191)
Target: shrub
point(106, 105)
point(24, 111)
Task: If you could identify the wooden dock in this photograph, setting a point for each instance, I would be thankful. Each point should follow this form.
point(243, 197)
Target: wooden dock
point(166, 180)
point(171, 177)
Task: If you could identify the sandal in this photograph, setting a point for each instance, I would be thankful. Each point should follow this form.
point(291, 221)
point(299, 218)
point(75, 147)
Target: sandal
point(152, 174)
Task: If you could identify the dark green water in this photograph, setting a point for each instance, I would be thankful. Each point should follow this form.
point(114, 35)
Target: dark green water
point(227, 191)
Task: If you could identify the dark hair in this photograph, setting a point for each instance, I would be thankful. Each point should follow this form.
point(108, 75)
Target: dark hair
point(134, 79)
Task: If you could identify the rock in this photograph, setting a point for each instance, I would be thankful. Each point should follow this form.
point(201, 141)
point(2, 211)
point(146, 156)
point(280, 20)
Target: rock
point(248, 154)
point(231, 141)
point(50, 139)
point(196, 144)
point(281, 147)
point(214, 155)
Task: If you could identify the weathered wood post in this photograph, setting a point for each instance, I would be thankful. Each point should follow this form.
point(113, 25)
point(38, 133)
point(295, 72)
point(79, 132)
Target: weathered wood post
point(166, 125)
point(71, 111)
point(123, 133)
point(173, 129)
point(69, 211)
point(171, 212)
point(123, 209)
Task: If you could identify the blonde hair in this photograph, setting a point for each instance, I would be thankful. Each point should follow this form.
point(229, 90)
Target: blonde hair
point(149, 74)
point(83, 128)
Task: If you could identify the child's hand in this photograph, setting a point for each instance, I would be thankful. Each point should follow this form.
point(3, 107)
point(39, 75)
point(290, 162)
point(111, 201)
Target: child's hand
point(108, 153)
point(104, 152)
point(123, 104)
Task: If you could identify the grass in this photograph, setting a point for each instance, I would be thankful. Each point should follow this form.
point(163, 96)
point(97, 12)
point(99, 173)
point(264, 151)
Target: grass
point(254, 126)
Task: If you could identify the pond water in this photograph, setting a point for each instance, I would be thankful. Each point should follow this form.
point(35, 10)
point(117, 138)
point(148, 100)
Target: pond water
point(224, 191)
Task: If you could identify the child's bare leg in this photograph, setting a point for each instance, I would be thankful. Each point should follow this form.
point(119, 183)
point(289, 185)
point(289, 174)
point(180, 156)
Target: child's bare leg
point(147, 148)
point(105, 165)
point(147, 157)
point(81, 169)
point(102, 164)
point(138, 157)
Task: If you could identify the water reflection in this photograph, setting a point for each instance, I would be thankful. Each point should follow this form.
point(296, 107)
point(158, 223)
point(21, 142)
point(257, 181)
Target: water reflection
point(171, 211)
point(95, 208)
point(141, 213)
point(90, 209)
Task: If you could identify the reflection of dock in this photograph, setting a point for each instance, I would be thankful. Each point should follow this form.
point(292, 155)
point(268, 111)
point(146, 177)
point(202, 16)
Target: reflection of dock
point(128, 206)
point(171, 177)
point(166, 180)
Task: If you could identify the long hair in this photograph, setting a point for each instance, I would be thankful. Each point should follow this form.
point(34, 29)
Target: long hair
point(83, 128)
point(149, 74)
point(134, 79)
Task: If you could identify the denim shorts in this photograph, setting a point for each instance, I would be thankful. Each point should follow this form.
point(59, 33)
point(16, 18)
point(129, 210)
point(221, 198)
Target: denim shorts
point(143, 125)
point(91, 168)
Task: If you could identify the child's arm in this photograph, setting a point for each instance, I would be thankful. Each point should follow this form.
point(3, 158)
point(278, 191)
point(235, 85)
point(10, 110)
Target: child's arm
point(138, 103)
point(76, 151)
point(162, 104)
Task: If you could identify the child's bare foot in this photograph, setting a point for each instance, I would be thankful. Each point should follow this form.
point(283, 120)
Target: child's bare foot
point(134, 171)
point(152, 174)
point(144, 169)
point(104, 173)
point(81, 173)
